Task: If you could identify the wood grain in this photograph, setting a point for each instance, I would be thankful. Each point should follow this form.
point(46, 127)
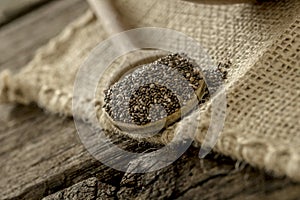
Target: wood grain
point(42, 157)
point(21, 38)
point(12, 9)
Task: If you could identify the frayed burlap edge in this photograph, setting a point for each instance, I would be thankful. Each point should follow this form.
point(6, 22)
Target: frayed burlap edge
point(281, 159)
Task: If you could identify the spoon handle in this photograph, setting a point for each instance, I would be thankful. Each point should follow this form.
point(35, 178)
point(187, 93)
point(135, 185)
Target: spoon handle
point(112, 22)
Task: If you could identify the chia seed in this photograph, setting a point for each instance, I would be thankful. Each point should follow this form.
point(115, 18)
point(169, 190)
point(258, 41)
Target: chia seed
point(153, 91)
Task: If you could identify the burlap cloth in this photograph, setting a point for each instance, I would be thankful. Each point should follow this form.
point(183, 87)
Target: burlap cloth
point(261, 43)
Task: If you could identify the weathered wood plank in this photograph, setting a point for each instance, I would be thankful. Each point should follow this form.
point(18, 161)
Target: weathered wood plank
point(51, 158)
point(41, 156)
point(88, 189)
point(11, 9)
point(20, 39)
point(188, 178)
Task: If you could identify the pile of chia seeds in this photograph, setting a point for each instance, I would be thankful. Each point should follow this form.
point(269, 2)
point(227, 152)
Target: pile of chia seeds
point(153, 91)
point(152, 94)
point(184, 66)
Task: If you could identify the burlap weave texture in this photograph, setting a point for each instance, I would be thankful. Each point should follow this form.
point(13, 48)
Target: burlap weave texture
point(261, 43)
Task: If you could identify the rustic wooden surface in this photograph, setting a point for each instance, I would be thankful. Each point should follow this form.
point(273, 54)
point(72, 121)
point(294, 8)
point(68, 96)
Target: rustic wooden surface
point(12, 9)
point(41, 156)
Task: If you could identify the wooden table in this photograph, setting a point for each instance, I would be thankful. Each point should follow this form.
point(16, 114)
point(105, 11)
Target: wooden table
point(41, 156)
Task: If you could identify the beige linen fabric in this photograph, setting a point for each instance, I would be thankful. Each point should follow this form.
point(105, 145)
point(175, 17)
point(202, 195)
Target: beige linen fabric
point(261, 43)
